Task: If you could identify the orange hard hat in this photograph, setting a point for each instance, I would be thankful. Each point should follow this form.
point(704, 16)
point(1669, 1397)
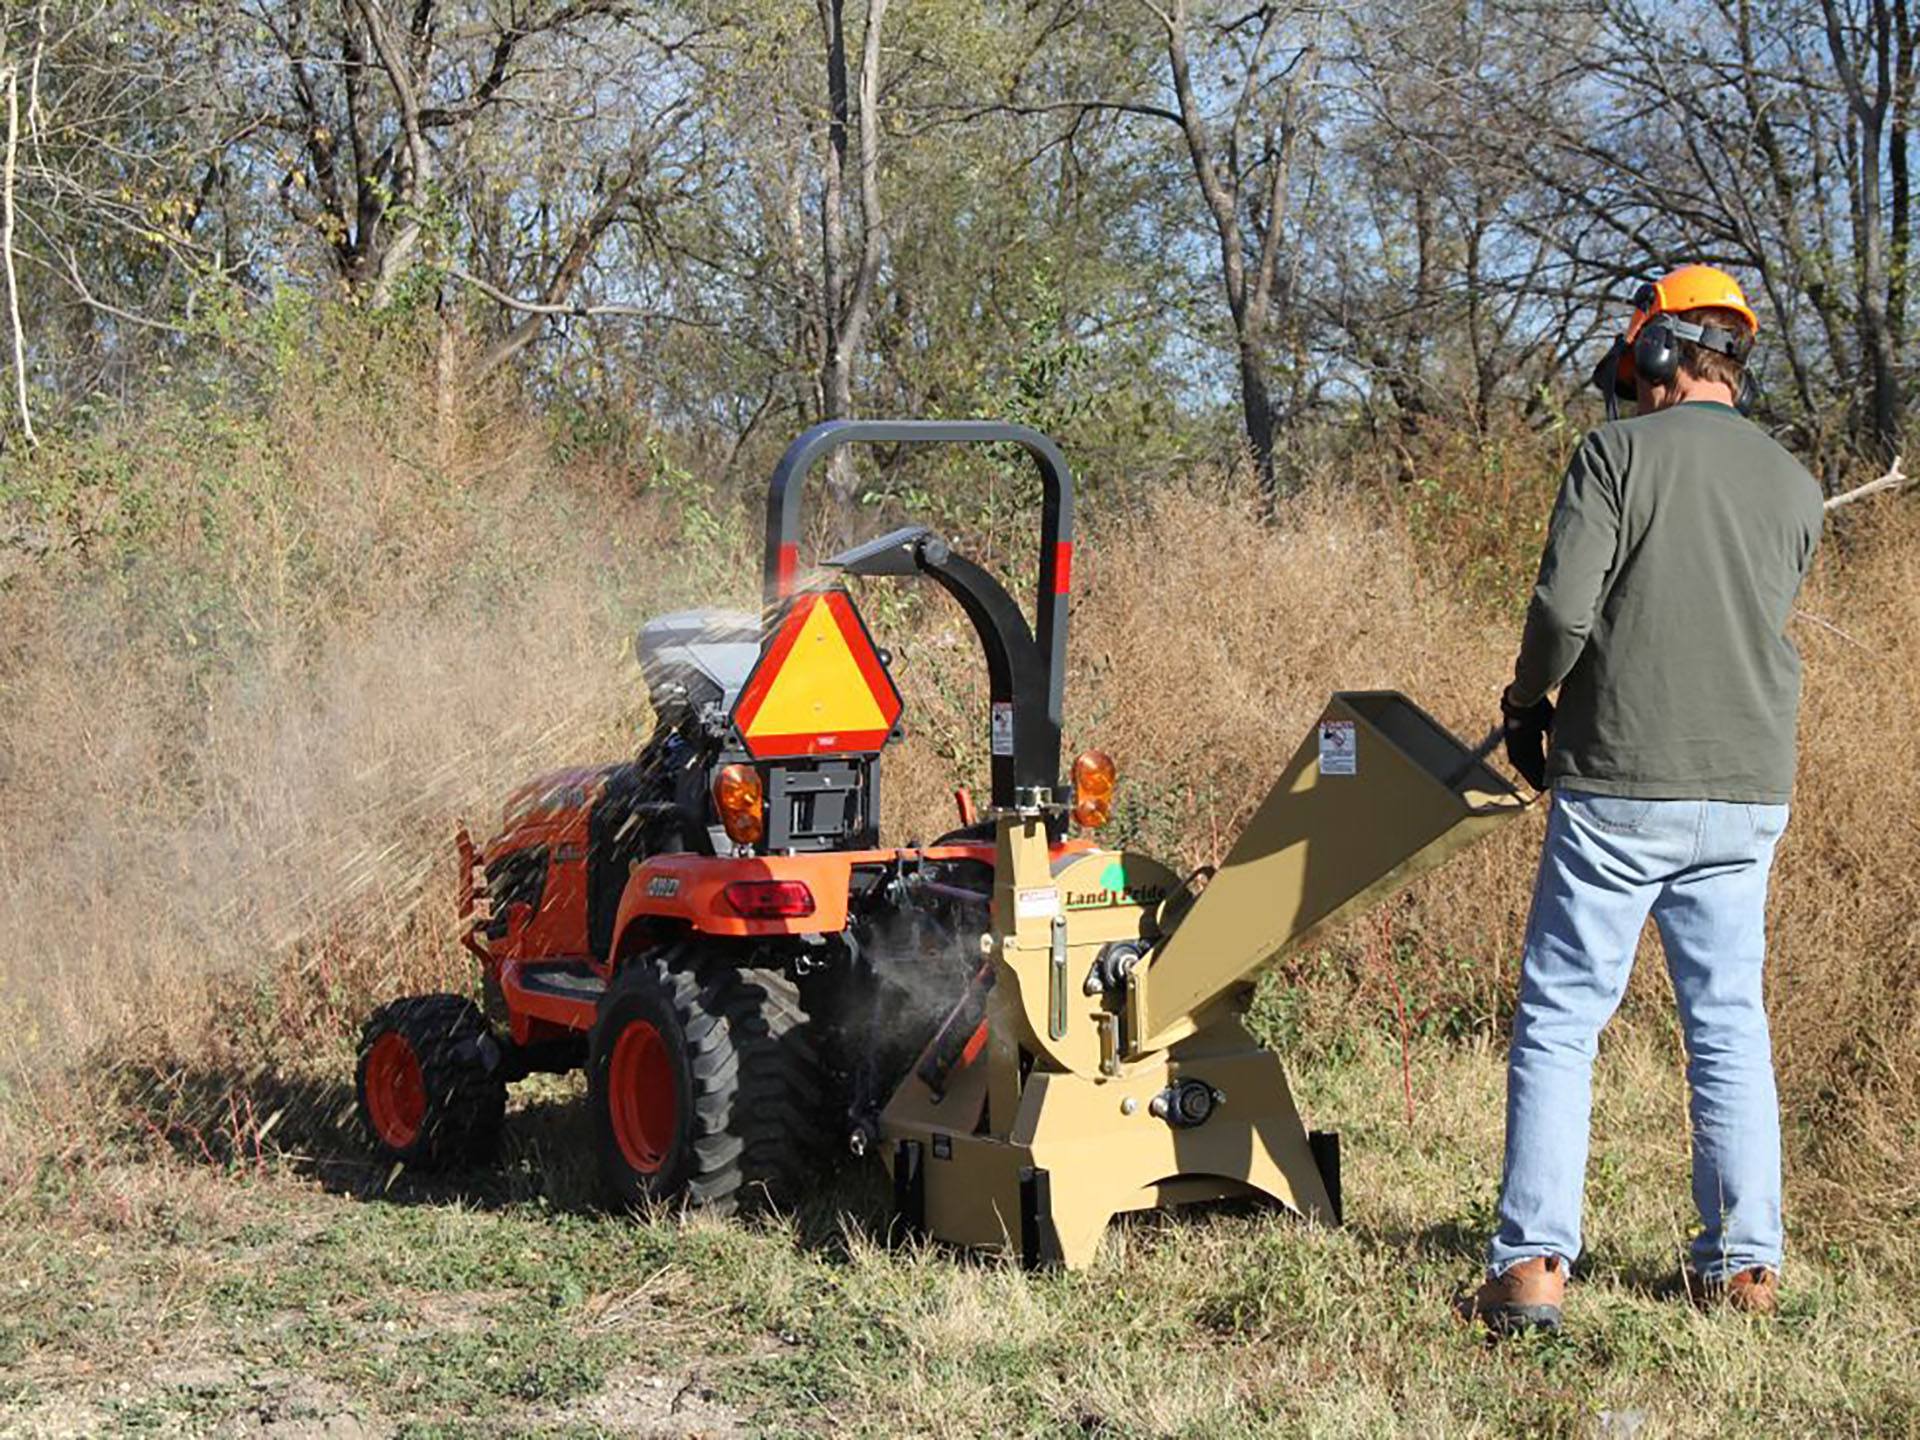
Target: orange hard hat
point(1691, 287)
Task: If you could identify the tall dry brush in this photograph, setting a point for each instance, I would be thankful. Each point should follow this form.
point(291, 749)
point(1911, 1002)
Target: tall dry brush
point(280, 652)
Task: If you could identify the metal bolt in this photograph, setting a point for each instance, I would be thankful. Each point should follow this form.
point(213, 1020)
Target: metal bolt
point(1129, 1105)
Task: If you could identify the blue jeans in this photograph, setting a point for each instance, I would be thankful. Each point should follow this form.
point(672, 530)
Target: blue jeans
point(1701, 867)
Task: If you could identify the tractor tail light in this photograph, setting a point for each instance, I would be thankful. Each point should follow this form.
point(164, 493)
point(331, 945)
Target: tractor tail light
point(1093, 780)
point(741, 801)
point(771, 899)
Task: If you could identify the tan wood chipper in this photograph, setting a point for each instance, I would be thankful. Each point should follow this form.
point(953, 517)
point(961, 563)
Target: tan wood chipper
point(715, 933)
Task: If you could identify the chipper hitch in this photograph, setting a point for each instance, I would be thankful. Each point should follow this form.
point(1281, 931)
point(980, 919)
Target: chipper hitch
point(1117, 1073)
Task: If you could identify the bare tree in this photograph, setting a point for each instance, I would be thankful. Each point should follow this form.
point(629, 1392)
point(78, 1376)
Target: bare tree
point(9, 167)
point(1655, 136)
point(1871, 46)
point(1243, 153)
point(388, 105)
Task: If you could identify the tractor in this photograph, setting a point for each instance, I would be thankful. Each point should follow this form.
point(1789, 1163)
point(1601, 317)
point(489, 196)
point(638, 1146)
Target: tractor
point(1032, 1032)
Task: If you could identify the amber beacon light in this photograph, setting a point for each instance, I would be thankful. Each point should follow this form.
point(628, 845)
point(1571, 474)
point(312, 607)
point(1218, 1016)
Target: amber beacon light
point(738, 796)
point(1093, 779)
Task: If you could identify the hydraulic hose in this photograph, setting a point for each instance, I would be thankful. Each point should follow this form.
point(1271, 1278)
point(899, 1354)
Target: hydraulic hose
point(956, 1033)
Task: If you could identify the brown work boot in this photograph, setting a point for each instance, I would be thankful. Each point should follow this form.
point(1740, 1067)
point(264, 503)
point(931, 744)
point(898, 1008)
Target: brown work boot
point(1752, 1291)
point(1526, 1296)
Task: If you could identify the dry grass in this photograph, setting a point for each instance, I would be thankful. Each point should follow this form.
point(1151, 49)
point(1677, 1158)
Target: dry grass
point(181, 1298)
point(234, 742)
point(1846, 895)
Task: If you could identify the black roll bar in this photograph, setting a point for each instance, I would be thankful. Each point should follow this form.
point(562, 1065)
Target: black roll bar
point(782, 564)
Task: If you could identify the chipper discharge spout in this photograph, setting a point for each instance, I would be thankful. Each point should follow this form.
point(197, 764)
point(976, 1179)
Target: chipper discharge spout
point(1379, 794)
point(1117, 1073)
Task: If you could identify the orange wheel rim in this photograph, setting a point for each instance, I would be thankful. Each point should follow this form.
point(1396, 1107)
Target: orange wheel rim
point(640, 1097)
point(396, 1091)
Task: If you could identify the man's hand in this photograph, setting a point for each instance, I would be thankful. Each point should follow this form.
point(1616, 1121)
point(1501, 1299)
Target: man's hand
point(1527, 728)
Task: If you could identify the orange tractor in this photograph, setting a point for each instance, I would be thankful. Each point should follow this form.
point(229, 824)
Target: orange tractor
point(713, 929)
point(1033, 1032)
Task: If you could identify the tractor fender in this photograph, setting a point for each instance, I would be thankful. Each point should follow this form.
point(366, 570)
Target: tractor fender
point(684, 891)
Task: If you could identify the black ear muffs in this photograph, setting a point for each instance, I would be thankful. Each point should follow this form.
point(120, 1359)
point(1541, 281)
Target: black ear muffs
point(1656, 352)
point(1606, 378)
point(1656, 360)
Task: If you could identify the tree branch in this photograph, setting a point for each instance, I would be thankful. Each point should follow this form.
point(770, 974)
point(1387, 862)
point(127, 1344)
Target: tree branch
point(968, 114)
point(574, 309)
point(12, 75)
point(1894, 479)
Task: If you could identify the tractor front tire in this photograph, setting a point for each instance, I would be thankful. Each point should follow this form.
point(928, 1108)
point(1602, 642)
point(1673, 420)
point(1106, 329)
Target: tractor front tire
point(704, 1084)
point(429, 1084)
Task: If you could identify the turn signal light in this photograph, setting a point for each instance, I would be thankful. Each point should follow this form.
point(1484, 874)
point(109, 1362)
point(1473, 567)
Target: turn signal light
point(741, 801)
point(1093, 780)
point(771, 899)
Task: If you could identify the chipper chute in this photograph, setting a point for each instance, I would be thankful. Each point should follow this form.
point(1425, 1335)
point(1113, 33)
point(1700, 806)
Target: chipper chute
point(1378, 794)
point(1116, 1072)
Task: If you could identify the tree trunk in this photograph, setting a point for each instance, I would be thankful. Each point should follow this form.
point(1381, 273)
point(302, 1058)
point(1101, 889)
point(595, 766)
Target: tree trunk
point(1256, 410)
point(848, 278)
point(1871, 275)
point(836, 370)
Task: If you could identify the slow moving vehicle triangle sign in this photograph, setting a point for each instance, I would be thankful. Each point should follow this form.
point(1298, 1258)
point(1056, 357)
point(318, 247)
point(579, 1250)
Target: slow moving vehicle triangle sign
point(819, 687)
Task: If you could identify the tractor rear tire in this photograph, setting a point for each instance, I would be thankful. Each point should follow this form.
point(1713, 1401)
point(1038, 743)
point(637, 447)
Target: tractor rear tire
point(429, 1082)
point(705, 1085)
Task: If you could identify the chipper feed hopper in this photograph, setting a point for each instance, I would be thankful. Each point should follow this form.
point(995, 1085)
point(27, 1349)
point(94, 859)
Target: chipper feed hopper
point(1035, 1032)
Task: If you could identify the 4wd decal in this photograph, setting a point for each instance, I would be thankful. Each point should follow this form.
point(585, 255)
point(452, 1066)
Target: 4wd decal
point(663, 887)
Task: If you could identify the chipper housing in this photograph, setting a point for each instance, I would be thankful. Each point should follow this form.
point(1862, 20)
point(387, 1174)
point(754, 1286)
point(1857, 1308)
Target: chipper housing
point(1116, 1073)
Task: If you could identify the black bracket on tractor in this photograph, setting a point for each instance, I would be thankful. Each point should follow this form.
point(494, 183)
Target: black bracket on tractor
point(1016, 670)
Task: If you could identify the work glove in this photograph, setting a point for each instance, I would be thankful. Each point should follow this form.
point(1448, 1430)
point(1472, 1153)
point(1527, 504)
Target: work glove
point(1527, 728)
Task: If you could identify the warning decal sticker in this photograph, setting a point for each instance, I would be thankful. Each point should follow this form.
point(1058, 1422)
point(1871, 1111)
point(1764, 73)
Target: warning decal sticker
point(1002, 728)
point(1338, 755)
point(1042, 902)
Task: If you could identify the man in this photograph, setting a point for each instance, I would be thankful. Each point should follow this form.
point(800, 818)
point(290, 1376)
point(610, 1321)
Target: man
point(1677, 545)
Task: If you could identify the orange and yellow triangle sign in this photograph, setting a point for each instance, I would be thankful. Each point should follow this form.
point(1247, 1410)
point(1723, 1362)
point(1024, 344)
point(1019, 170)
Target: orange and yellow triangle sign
point(819, 687)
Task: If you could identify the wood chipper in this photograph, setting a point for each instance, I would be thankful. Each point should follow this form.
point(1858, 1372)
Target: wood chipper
point(1034, 1032)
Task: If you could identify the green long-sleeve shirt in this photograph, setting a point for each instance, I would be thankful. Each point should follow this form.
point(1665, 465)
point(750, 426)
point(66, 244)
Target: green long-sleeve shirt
point(1676, 548)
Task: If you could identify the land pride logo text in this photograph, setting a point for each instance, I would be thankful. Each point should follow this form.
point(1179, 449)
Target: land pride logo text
point(1117, 889)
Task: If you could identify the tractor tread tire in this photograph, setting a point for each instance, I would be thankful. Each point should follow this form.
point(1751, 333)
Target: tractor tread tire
point(755, 1129)
point(460, 1062)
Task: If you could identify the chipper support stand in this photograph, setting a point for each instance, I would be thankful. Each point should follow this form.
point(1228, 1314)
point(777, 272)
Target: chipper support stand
point(1116, 1072)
